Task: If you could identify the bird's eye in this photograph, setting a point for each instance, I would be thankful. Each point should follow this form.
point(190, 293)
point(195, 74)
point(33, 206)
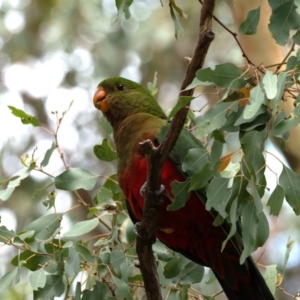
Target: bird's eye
point(120, 87)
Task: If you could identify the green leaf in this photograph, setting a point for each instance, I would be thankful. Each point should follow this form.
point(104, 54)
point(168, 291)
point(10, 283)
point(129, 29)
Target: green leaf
point(195, 160)
point(270, 277)
point(47, 156)
point(85, 254)
point(152, 86)
point(6, 235)
point(196, 82)
point(15, 181)
point(283, 128)
point(214, 118)
point(45, 226)
point(283, 19)
point(200, 179)
point(289, 246)
point(296, 37)
point(249, 229)
point(99, 292)
point(116, 259)
point(25, 118)
point(219, 136)
point(178, 27)
point(72, 263)
point(269, 82)
point(104, 197)
point(122, 289)
point(82, 228)
point(226, 75)
point(25, 234)
point(289, 180)
point(75, 178)
point(253, 162)
point(255, 227)
point(190, 273)
point(54, 287)
point(112, 184)
point(104, 151)
point(78, 291)
point(181, 194)
point(182, 102)
point(249, 26)
point(7, 279)
point(50, 200)
point(257, 98)
point(106, 125)
point(233, 216)
point(37, 279)
point(280, 90)
point(217, 195)
point(276, 200)
point(292, 67)
point(173, 267)
point(30, 260)
point(123, 5)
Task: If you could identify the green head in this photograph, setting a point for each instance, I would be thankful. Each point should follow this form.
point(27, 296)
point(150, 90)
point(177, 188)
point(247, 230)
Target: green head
point(119, 98)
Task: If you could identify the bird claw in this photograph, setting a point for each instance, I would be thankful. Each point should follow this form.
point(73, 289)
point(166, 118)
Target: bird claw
point(137, 229)
point(159, 192)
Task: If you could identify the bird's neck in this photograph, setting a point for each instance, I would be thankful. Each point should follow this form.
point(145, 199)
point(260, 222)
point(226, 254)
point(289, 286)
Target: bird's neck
point(131, 131)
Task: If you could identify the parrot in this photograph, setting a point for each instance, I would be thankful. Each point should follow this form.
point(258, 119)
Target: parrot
point(136, 116)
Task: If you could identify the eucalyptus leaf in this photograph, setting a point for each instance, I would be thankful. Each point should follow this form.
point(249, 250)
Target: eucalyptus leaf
point(104, 151)
point(182, 102)
point(284, 18)
point(270, 277)
point(195, 160)
point(122, 289)
point(217, 195)
point(181, 194)
point(214, 118)
point(6, 234)
point(72, 263)
point(15, 181)
point(276, 200)
point(256, 100)
point(45, 226)
point(75, 178)
point(47, 156)
point(82, 228)
point(289, 181)
point(226, 75)
point(54, 287)
point(249, 26)
point(269, 82)
point(280, 90)
point(25, 118)
point(37, 279)
point(7, 279)
point(178, 27)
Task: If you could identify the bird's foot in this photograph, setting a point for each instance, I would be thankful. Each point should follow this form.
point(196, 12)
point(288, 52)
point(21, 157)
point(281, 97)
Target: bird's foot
point(159, 192)
point(137, 231)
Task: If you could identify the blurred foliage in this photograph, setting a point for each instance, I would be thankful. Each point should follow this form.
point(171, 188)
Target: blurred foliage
point(55, 52)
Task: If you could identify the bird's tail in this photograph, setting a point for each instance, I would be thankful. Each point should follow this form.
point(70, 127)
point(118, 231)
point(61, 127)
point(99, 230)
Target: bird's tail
point(256, 289)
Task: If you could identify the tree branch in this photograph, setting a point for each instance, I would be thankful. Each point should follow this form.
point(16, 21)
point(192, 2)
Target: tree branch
point(157, 156)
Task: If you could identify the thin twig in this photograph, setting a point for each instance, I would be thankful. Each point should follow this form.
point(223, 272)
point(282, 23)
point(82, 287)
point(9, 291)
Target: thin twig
point(285, 58)
point(156, 157)
point(234, 34)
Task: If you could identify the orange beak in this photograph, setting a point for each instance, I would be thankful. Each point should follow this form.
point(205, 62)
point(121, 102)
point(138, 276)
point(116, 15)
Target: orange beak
point(100, 101)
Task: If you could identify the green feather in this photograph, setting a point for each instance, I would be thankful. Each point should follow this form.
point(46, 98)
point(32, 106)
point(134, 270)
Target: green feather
point(125, 97)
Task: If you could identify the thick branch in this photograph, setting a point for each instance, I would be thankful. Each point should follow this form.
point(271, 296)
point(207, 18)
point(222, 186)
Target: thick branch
point(157, 156)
